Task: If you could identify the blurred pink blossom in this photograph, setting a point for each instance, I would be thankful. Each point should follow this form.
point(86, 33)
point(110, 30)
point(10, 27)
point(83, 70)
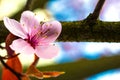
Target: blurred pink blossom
point(34, 37)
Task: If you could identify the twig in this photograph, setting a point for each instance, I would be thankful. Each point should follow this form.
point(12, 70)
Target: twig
point(92, 18)
point(28, 4)
point(27, 7)
point(7, 57)
point(18, 75)
point(36, 59)
point(2, 47)
point(98, 9)
point(96, 12)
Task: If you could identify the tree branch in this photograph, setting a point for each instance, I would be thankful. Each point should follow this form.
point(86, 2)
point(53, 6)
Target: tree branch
point(100, 32)
point(80, 31)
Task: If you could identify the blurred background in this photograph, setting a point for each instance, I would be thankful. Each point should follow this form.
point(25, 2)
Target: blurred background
point(70, 52)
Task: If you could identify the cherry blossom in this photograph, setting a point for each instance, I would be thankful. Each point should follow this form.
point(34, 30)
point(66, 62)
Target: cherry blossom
point(34, 37)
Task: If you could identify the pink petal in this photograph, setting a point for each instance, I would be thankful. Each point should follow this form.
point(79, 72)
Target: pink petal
point(14, 27)
point(51, 30)
point(46, 51)
point(21, 46)
point(29, 21)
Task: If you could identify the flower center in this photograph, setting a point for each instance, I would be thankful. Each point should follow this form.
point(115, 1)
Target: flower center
point(40, 36)
point(32, 41)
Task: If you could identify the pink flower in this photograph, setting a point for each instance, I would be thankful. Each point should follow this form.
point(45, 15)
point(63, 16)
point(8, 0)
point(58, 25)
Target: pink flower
point(34, 37)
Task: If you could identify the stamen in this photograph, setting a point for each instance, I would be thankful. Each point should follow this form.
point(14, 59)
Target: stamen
point(41, 22)
point(50, 25)
point(39, 33)
point(46, 25)
point(35, 27)
point(56, 33)
point(27, 18)
point(44, 19)
point(46, 31)
point(45, 36)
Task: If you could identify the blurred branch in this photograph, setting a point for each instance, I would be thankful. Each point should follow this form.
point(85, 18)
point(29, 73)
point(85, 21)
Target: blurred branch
point(1, 47)
point(26, 7)
point(33, 4)
point(30, 5)
point(3, 32)
point(84, 68)
point(38, 4)
point(8, 57)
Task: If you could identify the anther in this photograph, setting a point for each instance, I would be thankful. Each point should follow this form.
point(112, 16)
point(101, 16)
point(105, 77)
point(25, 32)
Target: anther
point(50, 25)
point(39, 33)
point(56, 33)
point(41, 22)
point(45, 36)
point(35, 27)
point(44, 19)
point(46, 25)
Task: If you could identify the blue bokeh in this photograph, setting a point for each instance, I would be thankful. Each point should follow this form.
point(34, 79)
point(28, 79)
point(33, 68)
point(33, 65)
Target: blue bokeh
point(72, 10)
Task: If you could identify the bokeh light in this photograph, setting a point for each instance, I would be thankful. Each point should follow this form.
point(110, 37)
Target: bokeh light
point(10, 7)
